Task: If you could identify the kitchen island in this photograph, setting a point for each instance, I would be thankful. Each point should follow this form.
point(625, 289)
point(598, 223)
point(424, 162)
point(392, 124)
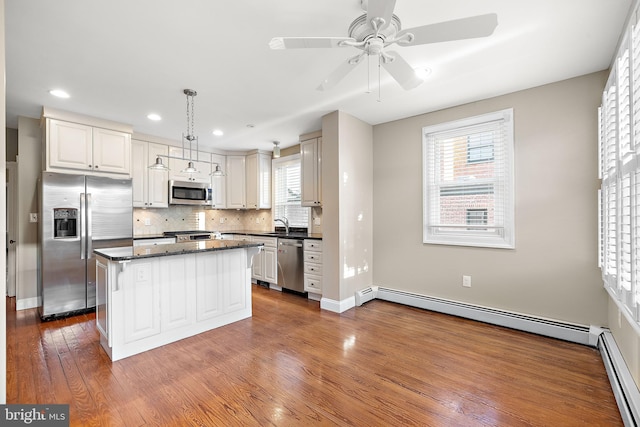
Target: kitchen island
point(149, 296)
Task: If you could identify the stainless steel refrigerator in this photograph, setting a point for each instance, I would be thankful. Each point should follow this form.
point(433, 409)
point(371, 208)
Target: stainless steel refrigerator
point(77, 214)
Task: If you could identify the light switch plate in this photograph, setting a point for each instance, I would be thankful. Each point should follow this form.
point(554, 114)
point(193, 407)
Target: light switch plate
point(33, 217)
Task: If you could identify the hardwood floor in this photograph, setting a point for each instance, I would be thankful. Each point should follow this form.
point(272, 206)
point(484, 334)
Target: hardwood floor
point(293, 364)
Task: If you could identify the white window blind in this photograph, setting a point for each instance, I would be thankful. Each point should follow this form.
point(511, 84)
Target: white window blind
point(287, 192)
point(468, 167)
point(619, 138)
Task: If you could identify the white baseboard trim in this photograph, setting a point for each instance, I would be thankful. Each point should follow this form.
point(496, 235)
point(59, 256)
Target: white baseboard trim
point(26, 303)
point(561, 330)
point(337, 306)
point(622, 383)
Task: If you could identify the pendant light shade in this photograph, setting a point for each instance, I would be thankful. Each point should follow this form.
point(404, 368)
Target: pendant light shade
point(217, 172)
point(158, 165)
point(190, 168)
point(276, 149)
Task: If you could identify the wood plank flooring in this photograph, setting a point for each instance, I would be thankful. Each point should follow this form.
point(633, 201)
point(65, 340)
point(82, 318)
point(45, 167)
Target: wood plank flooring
point(292, 364)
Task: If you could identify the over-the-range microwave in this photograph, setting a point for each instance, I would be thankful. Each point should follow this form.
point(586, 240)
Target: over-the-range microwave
point(189, 193)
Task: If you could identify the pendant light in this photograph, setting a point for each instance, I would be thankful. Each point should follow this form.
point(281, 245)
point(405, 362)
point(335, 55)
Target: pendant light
point(217, 172)
point(276, 149)
point(158, 165)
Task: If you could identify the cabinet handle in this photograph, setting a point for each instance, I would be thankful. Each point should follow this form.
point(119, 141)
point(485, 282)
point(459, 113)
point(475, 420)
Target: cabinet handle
point(89, 166)
point(96, 166)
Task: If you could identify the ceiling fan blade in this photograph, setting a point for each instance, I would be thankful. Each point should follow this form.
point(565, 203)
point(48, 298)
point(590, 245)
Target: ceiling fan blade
point(402, 72)
point(339, 73)
point(457, 29)
point(307, 42)
point(380, 9)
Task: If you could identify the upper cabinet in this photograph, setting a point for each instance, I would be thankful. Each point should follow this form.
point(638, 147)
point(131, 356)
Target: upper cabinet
point(201, 161)
point(311, 171)
point(258, 174)
point(150, 187)
point(235, 179)
point(218, 183)
point(80, 148)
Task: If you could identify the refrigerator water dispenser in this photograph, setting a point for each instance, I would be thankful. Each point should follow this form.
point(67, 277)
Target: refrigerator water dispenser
point(65, 223)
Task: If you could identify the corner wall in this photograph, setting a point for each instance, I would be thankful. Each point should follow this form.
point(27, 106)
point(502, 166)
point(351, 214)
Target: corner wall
point(553, 272)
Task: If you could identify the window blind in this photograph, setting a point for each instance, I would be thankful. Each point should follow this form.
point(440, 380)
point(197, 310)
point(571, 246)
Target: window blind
point(468, 168)
point(288, 191)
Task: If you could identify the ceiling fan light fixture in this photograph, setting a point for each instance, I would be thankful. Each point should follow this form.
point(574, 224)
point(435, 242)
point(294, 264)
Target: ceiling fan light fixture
point(423, 73)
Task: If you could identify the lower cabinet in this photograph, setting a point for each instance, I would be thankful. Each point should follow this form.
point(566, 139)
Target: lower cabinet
point(265, 264)
point(313, 266)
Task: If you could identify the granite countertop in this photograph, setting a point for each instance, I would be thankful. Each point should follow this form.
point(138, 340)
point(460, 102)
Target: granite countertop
point(292, 235)
point(128, 253)
point(281, 234)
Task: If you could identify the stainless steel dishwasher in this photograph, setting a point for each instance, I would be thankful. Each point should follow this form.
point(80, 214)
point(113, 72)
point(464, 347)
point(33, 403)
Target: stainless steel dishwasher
point(290, 264)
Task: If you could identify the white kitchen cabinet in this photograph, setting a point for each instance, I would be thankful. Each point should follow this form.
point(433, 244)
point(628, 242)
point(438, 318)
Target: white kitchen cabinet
point(312, 250)
point(311, 171)
point(236, 191)
point(258, 175)
point(201, 161)
point(79, 148)
point(218, 183)
point(265, 264)
point(150, 187)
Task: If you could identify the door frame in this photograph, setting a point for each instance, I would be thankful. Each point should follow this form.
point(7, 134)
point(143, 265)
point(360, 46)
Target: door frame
point(12, 226)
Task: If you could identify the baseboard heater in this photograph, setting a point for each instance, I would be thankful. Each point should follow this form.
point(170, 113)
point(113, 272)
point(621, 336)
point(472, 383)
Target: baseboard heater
point(554, 329)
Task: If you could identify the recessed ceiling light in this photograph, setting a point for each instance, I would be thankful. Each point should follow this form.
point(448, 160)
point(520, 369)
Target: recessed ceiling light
point(153, 116)
point(423, 73)
point(59, 93)
point(218, 132)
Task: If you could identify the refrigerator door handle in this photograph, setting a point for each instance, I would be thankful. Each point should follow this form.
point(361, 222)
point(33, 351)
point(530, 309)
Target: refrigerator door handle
point(83, 234)
point(89, 227)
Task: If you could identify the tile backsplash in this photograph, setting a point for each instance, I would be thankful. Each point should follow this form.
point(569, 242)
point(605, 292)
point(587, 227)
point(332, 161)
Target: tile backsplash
point(178, 218)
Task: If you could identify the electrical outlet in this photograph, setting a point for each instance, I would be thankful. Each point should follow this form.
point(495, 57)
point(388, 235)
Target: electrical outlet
point(257, 220)
point(221, 220)
point(147, 221)
point(466, 281)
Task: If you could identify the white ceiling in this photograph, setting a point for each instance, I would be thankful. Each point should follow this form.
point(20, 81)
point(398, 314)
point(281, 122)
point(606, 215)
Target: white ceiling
point(121, 60)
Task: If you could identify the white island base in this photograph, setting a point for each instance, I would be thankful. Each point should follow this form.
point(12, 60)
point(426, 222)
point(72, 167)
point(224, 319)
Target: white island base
point(149, 302)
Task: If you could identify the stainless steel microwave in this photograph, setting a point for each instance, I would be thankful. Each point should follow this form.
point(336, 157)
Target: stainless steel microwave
point(189, 193)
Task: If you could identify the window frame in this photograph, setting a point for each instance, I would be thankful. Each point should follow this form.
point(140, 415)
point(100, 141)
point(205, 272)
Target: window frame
point(498, 235)
point(275, 165)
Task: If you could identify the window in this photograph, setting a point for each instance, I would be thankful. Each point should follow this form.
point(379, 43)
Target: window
point(287, 192)
point(468, 181)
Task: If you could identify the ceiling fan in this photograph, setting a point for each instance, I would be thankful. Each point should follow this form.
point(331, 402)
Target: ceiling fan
point(378, 29)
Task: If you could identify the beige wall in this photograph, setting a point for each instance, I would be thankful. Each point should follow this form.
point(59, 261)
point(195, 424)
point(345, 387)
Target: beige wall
point(29, 167)
point(553, 271)
point(347, 198)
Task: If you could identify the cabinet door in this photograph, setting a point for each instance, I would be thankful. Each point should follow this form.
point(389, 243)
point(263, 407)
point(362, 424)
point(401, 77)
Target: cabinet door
point(236, 197)
point(270, 265)
point(178, 291)
point(141, 302)
point(251, 169)
point(257, 266)
point(111, 151)
point(157, 180)
point(139, 173)
point(218, 183)
point(102, 295)
point(69, 145)
point(309, 172)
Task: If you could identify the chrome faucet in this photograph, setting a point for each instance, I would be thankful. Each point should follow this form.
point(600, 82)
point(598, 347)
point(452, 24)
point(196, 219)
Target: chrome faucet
point(285, 221)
